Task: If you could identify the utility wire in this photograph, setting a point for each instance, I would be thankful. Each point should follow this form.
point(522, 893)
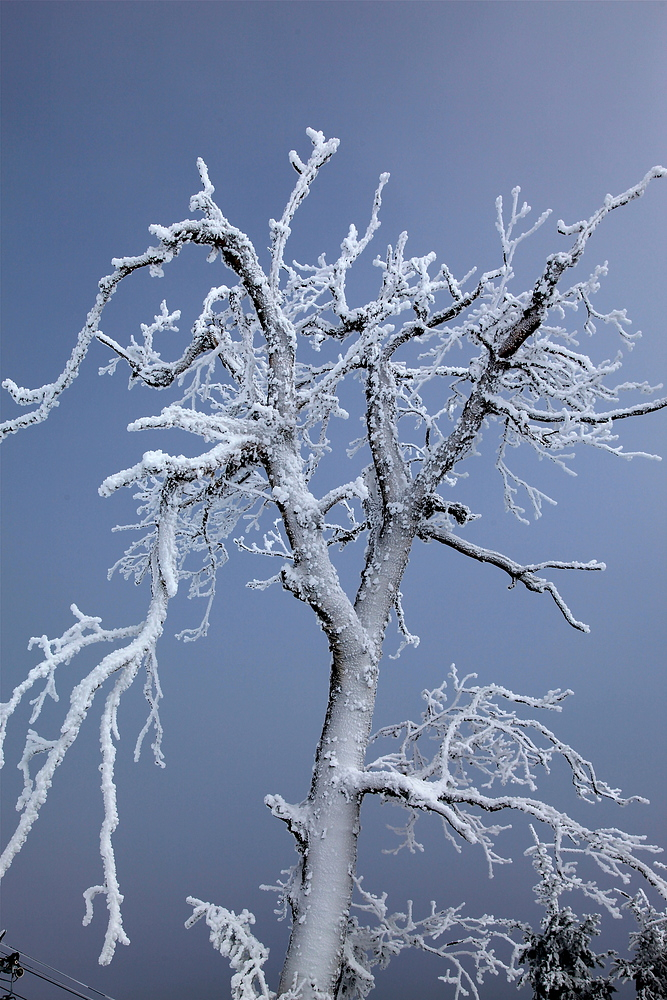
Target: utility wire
point(13, 993)
point(62, 986)
point(48, 979)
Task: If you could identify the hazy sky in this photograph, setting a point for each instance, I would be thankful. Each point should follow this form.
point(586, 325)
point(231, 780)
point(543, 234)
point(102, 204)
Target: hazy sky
point(106, 106)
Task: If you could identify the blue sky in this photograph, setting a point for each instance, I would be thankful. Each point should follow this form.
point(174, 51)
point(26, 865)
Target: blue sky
point(105, 107)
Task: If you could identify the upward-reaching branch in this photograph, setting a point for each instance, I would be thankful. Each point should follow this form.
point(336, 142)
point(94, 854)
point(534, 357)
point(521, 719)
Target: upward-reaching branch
point(543, 292)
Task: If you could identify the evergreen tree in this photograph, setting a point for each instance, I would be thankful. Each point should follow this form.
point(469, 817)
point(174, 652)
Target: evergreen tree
point(560, 960)
point(648, 966)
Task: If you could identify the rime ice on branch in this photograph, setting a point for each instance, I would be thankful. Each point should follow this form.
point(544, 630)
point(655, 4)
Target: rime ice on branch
point(247, 386)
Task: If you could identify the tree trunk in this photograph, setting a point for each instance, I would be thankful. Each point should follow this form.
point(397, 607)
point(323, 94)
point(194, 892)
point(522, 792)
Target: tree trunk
point(321, 902)
point(321, 899)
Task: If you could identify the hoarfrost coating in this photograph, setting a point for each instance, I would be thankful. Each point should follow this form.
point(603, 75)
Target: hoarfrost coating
point(247, 386)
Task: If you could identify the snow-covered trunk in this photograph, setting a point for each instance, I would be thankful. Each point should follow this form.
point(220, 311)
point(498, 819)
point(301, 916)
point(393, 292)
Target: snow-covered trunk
point(322, 894)
point(321, 901)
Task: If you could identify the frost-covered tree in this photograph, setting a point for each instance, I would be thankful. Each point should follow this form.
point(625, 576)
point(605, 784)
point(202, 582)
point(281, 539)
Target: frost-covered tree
point(559, 963)
point(647, 967)
point(259, 382)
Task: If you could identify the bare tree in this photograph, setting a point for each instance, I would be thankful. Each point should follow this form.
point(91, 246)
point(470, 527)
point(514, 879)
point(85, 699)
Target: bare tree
point(263, 412)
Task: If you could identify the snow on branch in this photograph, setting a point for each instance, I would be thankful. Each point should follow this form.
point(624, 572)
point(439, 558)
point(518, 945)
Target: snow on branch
point(480, 732)
point(523, 412)
point(47, 396)
point(158, 463)
point(214, 231)
point(230, 934)
point(518, 573)
point(344, 492)
point(85, 631)
point(585, 228)
point(648, 965)
point(470, 956)
point(280, 231)
point(253, 340)
point(143, 357)
point(182, 516)
point(125, 663)
point(408, 638)
point(542, 297)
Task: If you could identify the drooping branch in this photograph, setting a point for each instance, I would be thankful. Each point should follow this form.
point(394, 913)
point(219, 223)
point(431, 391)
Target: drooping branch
point(125, 662)
point(86, 631)
point(613, 850)
point(230, 934)
point(174, 530)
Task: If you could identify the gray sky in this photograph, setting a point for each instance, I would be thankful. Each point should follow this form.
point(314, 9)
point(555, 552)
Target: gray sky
point(106, 106)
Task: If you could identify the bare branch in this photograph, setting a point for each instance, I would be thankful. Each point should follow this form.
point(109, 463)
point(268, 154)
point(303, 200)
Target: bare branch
point(500, 405)
point(517, 572)
point(545, 286)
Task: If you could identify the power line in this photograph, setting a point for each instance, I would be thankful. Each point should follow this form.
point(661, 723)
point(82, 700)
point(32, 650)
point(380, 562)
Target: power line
point(62, 986)
point(19, 996)
point(91, 989)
